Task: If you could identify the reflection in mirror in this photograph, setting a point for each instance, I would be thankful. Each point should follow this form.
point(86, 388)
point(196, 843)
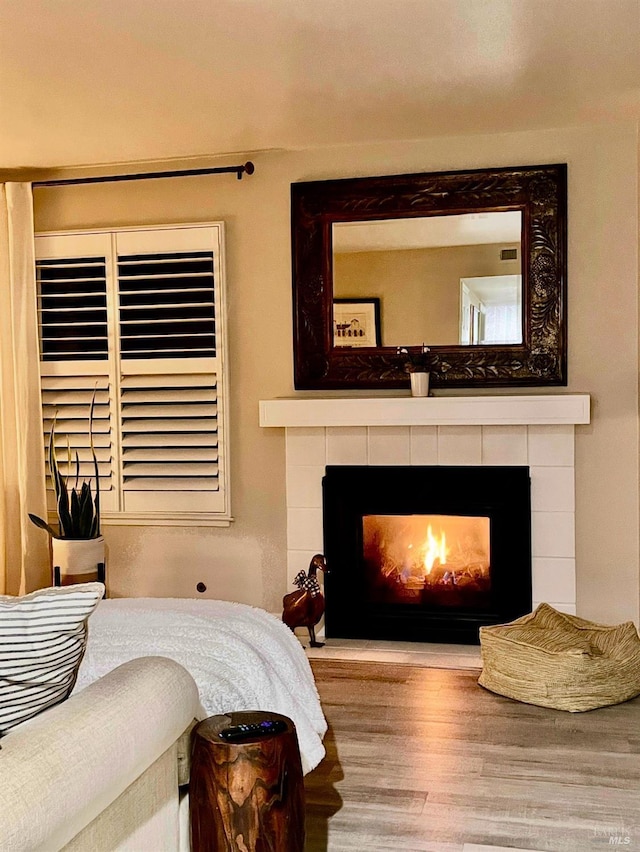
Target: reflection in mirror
point(491, 310)
point(440, 280)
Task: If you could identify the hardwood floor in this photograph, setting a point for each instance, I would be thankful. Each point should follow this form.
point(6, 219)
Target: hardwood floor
point(425, 760)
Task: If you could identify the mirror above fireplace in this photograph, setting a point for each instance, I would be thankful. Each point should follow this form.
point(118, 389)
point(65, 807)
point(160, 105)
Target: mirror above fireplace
point(471, 263)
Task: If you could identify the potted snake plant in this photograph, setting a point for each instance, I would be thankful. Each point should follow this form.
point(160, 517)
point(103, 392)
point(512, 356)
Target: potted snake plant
point(77, 546)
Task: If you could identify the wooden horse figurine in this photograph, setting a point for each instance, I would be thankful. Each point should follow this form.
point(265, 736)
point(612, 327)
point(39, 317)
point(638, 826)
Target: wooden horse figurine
point(305, 607)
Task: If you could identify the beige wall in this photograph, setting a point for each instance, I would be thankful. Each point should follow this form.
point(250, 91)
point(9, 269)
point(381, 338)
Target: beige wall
point(246, 562)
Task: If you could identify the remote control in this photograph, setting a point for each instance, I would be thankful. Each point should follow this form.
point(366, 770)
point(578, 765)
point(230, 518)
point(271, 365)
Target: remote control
point(257, 729)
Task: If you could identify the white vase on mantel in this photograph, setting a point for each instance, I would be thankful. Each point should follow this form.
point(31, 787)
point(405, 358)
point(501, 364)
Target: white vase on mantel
point(78, 559)
point(419, 383)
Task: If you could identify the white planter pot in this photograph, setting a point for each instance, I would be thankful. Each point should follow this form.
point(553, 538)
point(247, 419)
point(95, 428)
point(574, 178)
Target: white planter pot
point(77, 560)
point(419, 384)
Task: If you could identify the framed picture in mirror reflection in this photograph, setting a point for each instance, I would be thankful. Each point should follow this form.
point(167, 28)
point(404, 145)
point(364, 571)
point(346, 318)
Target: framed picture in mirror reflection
point(356, 322)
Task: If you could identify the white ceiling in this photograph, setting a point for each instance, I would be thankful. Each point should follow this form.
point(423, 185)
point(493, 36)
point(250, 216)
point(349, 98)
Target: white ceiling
point(101, 81)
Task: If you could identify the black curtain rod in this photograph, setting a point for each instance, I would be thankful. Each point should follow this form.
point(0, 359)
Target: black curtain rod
point(248, 168)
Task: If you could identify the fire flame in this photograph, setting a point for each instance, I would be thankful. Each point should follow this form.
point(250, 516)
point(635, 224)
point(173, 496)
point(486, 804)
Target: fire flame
point(434, 548)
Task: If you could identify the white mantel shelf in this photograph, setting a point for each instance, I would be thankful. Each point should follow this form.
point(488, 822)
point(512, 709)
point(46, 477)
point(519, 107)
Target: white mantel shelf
point(529, 410)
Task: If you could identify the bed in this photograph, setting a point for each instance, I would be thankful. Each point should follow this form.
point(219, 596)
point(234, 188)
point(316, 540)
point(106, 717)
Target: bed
point(241, 657)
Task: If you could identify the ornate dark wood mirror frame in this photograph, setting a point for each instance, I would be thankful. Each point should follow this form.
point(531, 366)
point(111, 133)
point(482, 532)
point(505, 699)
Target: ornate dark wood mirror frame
point(540, 192)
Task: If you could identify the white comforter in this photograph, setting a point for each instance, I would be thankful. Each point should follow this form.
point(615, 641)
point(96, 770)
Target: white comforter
point(241, 658)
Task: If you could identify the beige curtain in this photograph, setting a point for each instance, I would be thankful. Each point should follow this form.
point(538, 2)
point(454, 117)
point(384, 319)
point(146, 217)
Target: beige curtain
point(24, 561)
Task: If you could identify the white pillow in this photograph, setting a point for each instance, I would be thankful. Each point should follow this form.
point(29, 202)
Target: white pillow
point(43, 637)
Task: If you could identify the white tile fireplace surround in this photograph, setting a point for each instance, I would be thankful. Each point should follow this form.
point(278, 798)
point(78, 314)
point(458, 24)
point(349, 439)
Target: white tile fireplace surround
point(533, 430)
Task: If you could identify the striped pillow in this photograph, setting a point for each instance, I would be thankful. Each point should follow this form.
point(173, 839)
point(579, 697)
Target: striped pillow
point(42, 640)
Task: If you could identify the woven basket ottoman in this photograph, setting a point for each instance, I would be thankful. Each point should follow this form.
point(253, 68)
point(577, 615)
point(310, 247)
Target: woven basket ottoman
point(561, 661)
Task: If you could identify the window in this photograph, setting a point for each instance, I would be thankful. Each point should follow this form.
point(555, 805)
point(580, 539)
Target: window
point(136, 316)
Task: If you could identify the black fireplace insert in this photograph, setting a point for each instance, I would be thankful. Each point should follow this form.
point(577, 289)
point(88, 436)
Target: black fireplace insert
point(425, 553)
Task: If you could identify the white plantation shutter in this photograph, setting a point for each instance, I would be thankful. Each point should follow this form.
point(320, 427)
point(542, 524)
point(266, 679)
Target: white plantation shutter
point(139, 315)
point(167, 304)
point(72, 274)
point(170, 440)
point(72, 308)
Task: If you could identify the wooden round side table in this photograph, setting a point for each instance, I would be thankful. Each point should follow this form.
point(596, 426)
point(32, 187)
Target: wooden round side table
point(246, 795)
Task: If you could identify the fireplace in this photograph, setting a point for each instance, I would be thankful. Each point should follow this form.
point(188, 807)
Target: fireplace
point(533, 430)
point(425, 553)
